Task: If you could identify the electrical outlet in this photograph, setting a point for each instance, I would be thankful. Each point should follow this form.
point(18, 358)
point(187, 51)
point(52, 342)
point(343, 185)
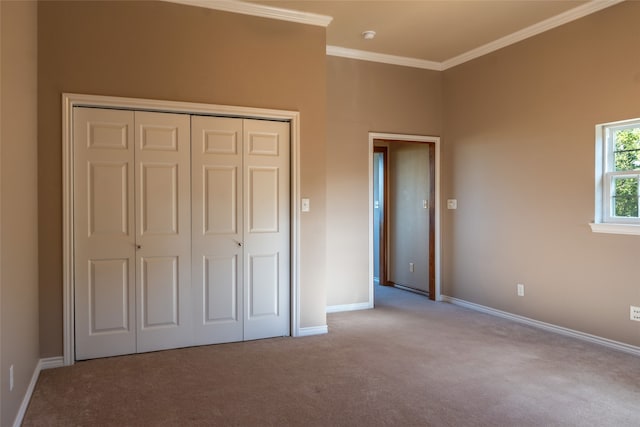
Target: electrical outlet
point(635, 313)
point(11, 378)
point(411, 267)
point(520, 288)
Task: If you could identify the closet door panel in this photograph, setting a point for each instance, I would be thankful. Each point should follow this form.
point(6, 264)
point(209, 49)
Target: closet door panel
point(263, 197)
point(104, 239)
point(108, 295)
point(107, 193)
point(263, 285)
point(266, 232)
point(159, 288)
point(163, 230)
point(217, 229)
point(220, 200)
point(159, 199)
point(221, 302)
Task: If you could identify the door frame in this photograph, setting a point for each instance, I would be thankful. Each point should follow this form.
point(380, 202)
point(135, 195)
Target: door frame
point(383, 275)
point(71, 100)
point(434, 208)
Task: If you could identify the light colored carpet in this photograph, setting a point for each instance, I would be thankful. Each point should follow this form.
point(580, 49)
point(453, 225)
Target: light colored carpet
point(409, 362)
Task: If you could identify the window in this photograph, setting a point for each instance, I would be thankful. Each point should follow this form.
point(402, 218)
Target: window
point(618, 177)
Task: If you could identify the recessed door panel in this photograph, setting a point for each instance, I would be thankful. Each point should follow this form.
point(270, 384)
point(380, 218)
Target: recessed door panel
point(221, 199)
point(107, 135)
point(158, 137)
point(159, 292)
point(109, 296)
point(263, 143)
point(159, 198)
point(107, 187)
point(263, 285)
point(221, 288)
point(263, 199)
point(223, 141)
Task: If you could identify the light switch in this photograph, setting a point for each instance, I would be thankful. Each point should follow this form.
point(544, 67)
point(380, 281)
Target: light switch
point(452, 204)
point(425, 204)
point(306, 207)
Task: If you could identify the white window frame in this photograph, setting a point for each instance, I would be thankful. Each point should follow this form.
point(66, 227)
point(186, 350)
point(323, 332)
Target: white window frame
point(604, 221)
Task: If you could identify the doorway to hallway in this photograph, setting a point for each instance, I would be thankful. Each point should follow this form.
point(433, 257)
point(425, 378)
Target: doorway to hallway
point(404, 213)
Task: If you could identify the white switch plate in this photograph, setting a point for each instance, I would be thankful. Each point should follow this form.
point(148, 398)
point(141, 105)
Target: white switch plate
point(306, 205)
point(635, 313)
point(11, 378)
point(520, 287)
point(452, 204)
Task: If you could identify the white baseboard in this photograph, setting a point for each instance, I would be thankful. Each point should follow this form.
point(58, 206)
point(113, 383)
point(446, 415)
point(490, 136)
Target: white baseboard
point(51, 362)
point(313, 330)
point(47, 363)
point(349, 307)
point(616, 345)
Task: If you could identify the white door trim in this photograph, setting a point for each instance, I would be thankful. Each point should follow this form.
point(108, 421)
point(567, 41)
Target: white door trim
point(70, 100)
point(402, 137)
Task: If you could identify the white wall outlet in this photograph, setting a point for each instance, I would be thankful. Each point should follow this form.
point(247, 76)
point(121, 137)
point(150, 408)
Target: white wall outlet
point(635, 313)
point(520, 289)
point(306, 205)
point(452, 204)
point(411, 267)
point(11, 378)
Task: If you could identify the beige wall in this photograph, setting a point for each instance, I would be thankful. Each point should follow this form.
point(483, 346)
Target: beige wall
point(514, 120)
point(18, 199)
point(408, 220)
point(518, 154)
point(167, 51)
point(365, 97)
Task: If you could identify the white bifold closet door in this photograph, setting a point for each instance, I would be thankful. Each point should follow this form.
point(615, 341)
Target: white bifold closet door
point(240, 229)
point(181, 230)
point(132, 232)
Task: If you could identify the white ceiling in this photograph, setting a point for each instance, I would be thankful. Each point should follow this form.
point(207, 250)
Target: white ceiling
point(432, 34)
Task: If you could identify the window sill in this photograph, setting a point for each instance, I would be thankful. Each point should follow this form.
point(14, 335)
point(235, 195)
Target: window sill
point(609, 228)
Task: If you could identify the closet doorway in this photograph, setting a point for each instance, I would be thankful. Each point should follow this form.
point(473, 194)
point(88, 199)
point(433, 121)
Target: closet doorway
point(180, 226)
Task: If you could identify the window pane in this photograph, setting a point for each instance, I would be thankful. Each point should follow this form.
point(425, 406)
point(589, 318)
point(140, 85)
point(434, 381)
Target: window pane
point(625, 197)
point(627, 149)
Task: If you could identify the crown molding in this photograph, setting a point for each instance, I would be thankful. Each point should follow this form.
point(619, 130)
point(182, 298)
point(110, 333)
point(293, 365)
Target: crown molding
point(382, 57)
point(542, 26)
point(245, 8)
point(262, 11)
point(546, 25)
